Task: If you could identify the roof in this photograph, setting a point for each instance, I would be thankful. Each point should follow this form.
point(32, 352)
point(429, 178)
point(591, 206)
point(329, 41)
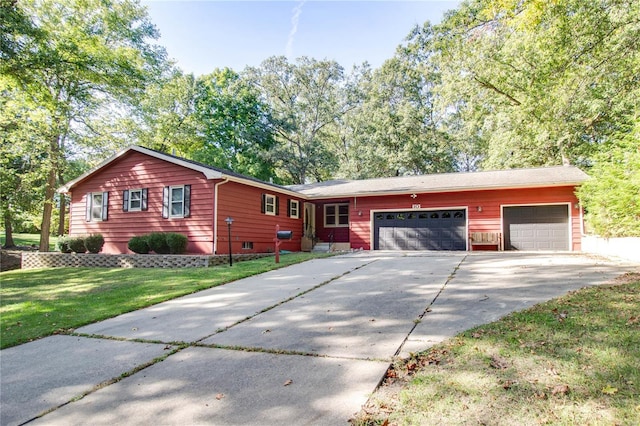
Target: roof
point(446, 182)
point(208, 171)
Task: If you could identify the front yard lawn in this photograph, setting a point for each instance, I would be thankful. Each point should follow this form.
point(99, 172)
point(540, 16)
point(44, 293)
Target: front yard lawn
point(38, 303)
point(571, 361)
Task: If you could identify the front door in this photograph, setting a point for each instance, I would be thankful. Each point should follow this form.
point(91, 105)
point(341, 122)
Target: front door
point(309, 227)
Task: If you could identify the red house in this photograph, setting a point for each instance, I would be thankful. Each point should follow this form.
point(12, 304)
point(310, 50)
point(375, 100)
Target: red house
point(140, 190)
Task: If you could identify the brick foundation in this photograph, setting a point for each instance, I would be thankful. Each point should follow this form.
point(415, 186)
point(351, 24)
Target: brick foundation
point(32, 260)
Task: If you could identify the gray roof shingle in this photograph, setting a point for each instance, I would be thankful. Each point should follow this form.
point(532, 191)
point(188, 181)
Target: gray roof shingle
point(445, 182)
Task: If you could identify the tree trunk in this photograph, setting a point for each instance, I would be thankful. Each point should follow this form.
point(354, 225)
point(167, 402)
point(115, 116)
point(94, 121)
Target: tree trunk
point(8, 230)
point(47, 211)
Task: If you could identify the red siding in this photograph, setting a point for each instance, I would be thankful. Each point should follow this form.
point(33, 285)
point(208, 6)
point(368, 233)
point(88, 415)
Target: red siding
point(487, 220)
point(134, 171)
point(243, 204)
point(336, 234)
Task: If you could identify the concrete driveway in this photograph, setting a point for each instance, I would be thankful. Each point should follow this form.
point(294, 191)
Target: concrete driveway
point(306, 344)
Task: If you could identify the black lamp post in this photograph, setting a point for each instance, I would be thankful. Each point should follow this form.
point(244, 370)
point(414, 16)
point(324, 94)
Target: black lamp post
point(229, 221)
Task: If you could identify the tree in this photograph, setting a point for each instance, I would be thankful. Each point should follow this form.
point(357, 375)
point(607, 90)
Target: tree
point(234, 125)
point(541, 83)
point(611, 196)
point(97, 57)
point(305, 102)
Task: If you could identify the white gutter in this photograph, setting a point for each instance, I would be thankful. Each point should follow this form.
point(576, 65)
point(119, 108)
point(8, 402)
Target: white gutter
point(215, 214)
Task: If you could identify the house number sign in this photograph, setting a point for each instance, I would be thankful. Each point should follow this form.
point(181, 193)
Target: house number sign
point(415, 206)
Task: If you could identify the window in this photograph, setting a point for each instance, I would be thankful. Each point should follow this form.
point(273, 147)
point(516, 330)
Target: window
point(97, 206)
point(270, 205)
point(176, 201)
point(134, 200)
point(293, 209)
point(336, 215)
point(247, 245)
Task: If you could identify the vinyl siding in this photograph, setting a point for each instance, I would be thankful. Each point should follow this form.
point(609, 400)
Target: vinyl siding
point(487, 220)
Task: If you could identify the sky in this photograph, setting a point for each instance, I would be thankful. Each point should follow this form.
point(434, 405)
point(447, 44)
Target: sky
point(204, 35)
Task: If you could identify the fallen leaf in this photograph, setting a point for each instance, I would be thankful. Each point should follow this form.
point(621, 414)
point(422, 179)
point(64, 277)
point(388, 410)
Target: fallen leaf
point(499, 363)
point(609, 390)
point(560, 389)
point(508, 384)
point(219, 396)
point(385, 423)
point(288, 382)
point(633, 320)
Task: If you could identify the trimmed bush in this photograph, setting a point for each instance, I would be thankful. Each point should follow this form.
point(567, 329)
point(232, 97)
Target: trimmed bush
point(158, 242)
point(177, 243)
point(138, 244)
point(62, 245)
point(77, 245)
point(94, 243)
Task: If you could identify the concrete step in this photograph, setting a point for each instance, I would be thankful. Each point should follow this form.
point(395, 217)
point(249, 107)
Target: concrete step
point(322, 248)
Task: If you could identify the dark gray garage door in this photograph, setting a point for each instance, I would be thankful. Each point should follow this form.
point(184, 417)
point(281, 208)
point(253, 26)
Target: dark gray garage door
point(536, 228)
point(412, 230)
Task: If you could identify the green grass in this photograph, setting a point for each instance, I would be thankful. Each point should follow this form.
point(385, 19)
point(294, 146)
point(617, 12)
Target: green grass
point(573, 360)
point(41, 302)
point(29, 240)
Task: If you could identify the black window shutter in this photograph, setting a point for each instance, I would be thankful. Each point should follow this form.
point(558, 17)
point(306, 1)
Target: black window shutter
point(105, 206)
point(125, 200)
point(288, 207)
point(145, 204)
point(165, 202)
point(263, 203)
point(277, 206)
point(88, 207)
point(187, 200)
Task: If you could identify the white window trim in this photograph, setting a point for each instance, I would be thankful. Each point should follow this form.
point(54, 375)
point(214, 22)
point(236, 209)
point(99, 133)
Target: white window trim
point(171, 201)
point(130, 207)
point(295, 209)
point(337, 224)
point(267, 204)
point(93, 205)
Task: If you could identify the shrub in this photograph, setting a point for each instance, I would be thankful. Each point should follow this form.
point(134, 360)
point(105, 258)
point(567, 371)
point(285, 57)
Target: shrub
point(77, 245)
point(158, 242)
point(94, 243)
point(62, 244)
point(139, 244)
point(177, 243)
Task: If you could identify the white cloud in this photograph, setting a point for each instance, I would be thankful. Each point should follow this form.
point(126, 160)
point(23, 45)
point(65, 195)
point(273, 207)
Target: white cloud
point(295, 18)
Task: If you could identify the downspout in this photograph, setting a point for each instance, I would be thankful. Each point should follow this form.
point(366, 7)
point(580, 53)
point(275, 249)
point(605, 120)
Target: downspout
point(215, 214)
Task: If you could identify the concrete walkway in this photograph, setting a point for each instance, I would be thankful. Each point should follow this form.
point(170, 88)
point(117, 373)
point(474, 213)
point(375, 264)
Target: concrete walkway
point(306, 344)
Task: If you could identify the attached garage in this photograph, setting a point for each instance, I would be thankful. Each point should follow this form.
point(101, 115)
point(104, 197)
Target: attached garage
point(536, 227)
point(420, 230)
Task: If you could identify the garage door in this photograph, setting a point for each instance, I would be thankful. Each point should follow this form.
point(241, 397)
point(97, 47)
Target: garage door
point(411, 230)
point(536, 228)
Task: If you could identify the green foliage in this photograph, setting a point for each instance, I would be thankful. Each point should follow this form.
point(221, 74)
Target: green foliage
point(69, 64)
point(177, 242)
point(62, 245)
point(537, 83)
point(305, 102)
point(139, 245)
point(158, 242)
point(611, 197)
point(94, 243)
point(77, 245)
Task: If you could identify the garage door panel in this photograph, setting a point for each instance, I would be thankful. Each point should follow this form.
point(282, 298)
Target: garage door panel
point(410, 230)
point(536, 227)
